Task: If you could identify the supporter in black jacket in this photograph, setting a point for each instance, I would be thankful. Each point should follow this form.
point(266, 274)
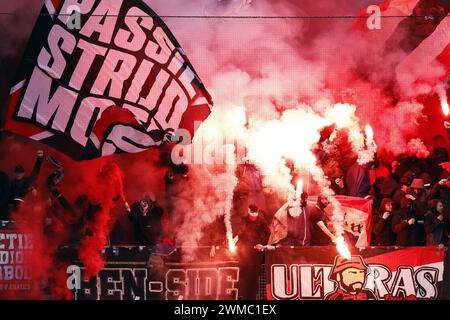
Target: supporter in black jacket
point(436, 224)
point(253, 233)
point(20, 186)
point(418, 198)
point(253, 229)
point(400, 192)
point(383, 235)
point(146, 217)
point(441, 191)
point(319, 226)
point(404, 224)
point(338, 186)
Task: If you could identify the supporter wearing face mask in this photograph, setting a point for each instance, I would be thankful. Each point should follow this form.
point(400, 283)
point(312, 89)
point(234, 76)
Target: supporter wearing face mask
point(253, 229)
point(291, 223)
point(253, 232)
point(146, 217)
point(338, 185)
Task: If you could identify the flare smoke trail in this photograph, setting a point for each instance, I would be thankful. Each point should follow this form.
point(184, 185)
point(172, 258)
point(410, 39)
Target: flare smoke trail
point(275, 83)
point(211, 199)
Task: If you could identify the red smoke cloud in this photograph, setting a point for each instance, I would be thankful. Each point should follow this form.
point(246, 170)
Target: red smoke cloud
point(265, 66)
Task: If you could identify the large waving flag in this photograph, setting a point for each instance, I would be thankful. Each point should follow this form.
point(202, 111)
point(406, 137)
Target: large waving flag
point(114, 81)
point(421, 28)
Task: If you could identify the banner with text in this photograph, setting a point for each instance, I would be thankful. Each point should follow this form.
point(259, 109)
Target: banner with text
point(15, 252)
point(104, 76)
point(379, 273)
point(135, 274)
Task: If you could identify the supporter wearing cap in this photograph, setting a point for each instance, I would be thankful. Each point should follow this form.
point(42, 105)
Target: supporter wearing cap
point(418, 197)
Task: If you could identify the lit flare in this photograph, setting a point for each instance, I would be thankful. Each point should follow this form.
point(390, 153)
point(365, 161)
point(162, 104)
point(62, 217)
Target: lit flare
point(231, 246)
point(369, 133)
point(444, 106)
point(342, 248)
point(299, 189)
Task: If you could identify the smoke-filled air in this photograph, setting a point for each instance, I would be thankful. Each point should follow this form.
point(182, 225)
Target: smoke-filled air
point(294, 100)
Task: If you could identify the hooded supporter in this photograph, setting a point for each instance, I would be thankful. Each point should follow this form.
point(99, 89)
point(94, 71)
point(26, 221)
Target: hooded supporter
point(417, 194)
point(437, 224)
point(388, 187)
point(394, 172)
point(383, 234)
point(440, 155)
point(404, 224)
point(21, 185)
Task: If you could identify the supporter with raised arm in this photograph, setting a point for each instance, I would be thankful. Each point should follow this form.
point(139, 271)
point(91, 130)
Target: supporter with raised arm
point(146, 216)
point(21, 185)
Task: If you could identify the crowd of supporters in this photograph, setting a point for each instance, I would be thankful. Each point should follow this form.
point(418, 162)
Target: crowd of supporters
point(410, 198)
point(411, 203)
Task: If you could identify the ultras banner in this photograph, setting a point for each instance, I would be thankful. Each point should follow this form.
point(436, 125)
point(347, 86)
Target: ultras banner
point(104, 76)
point(134, 273)
point(15, 253)
point(371, 274)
